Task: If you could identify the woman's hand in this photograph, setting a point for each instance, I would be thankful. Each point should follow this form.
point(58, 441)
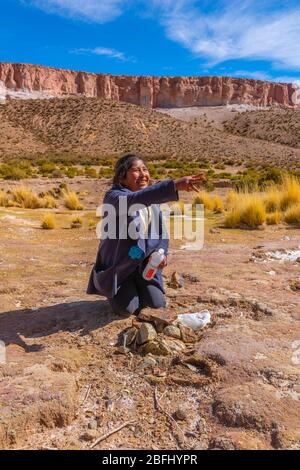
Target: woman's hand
point(163, 264)
point(190, 183)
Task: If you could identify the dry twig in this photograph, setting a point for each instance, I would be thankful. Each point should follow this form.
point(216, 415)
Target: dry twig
point(108, 434)
point(87, 394)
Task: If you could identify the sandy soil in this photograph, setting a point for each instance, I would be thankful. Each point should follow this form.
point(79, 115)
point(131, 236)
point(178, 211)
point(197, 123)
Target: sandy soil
point(216, 115)
point(65, 382)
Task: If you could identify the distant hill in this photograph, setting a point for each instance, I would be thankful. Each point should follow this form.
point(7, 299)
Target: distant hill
point(275, 125)
point(93, 126)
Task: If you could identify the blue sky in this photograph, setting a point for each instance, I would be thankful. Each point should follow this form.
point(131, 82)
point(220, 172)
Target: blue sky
point(255, 39)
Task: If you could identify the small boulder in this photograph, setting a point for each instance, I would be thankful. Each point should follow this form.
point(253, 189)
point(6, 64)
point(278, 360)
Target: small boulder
point(89, 435)
point(187, 334)
point(180, 415)
point(162, 347)
point(146, 333)
point(161, 317)
point(93, 424)
point(176, 281)
point(172, 331)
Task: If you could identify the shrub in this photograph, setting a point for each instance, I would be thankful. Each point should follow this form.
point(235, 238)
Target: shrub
point(48, 222)
point(71, 172)
point(4, 199)
point(272, 199)
point(92, 224)
point(246, 209)
point(291, 192)
point(26, 198)
point(76, 222)
point(292, 215)
point(253, 213)
point(90, 172)
point(71, 201)
point(204, 198)
point(274, 218)
point(9, 172)
point(178, 208)
point(50, 202)
point(218, 205)
point(233, 219)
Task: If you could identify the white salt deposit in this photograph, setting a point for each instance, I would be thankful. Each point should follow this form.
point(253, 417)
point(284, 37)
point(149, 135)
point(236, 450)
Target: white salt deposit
point(287, 255)
point(22, 94)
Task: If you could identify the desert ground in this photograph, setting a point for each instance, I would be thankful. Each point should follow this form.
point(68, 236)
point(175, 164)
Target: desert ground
point(68, 379)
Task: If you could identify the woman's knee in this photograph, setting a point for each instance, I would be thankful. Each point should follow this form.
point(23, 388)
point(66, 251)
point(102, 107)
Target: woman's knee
point(154, 298)
point(121, 308)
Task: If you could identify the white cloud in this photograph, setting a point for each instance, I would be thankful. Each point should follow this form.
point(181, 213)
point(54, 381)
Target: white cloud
point(106, 51)
point(256, 75)
point(235, 30)
point(288, 79)
point(213, 31)
point(99, 11)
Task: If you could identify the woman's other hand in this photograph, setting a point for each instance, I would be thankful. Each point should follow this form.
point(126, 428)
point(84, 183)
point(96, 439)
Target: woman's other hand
point(190, 183)
point(163, 264)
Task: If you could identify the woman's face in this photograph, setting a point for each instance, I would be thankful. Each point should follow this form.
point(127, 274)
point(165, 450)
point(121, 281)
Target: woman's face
point(137, 177)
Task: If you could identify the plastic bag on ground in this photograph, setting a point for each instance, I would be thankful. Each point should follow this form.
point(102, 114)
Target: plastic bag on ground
point(196, 321)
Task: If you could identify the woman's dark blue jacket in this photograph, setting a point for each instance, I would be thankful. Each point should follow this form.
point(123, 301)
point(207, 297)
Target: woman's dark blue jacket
point(113, 263)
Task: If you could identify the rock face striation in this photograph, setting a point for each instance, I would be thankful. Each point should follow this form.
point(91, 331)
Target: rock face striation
point(34, 81)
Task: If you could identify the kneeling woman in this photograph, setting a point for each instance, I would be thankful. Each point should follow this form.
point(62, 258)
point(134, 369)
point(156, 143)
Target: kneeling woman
point(117, 273)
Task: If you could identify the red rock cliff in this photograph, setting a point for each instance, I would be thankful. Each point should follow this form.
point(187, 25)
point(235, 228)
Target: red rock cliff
point(151, 92)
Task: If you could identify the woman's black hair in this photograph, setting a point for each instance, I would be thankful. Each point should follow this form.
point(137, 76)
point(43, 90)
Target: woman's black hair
point(123, 165)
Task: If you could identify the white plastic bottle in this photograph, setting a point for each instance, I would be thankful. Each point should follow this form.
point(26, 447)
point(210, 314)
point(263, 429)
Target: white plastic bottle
point(155, 259)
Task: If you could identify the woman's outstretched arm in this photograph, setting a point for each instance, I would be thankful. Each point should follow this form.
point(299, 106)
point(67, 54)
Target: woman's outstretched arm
point(158, 193)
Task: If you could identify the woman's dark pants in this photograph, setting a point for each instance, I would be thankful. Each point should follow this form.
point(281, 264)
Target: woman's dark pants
point(137, 293)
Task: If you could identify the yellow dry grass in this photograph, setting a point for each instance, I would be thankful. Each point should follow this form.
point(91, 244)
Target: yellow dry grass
point(71, 201)
point(275, 218)
point(25, 198)
point(48, 222)
point(246, 209)
point(292, 215)
point(4, 199)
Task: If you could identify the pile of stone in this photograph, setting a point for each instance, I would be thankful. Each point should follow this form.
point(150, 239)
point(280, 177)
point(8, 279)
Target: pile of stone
point(158, 332)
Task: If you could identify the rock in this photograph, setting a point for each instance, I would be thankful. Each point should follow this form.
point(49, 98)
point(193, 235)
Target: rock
point(295, 285)
point(298, 260)
point(146, 333)
point(222, 443)
point(150, 92)
point(172, 331)
point(161, 317)
point(191, 277)
point(162, 347)
point(89, 436)
point(93, 424)
point(187, 334)
point(180, 415)
point(129, 336)
point(214, 230)
point(176, 281)
point(148, 361)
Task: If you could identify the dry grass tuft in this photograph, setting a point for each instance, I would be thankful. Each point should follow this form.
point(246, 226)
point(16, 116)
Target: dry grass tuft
point(26, 198)
point(48, 222)
point(71, 201)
